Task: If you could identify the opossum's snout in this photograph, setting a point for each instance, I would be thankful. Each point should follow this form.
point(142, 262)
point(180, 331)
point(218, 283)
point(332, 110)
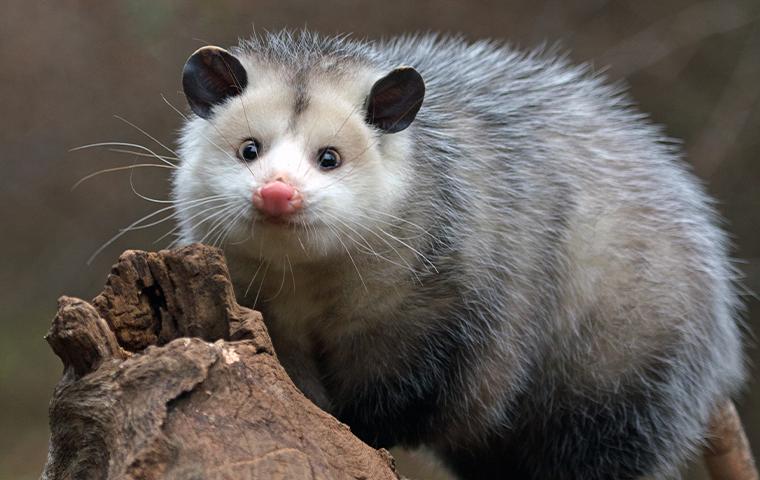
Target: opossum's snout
point(277, 199)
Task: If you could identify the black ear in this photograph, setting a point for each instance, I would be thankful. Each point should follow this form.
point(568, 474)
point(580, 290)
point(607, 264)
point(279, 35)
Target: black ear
point(211, 75)
point(395, 100)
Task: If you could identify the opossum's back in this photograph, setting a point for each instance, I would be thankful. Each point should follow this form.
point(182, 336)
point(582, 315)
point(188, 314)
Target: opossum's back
point(480, 76)
point(557, 168)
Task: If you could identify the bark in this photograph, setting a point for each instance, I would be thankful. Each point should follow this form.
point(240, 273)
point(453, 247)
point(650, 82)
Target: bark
point(166, 376)
point(728, 455)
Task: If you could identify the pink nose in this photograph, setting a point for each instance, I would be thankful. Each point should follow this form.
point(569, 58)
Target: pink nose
point(276, 199)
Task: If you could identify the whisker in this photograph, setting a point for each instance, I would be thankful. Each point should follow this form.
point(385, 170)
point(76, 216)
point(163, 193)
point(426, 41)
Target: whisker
point(145, 133)
point(307, 171)
point(395, 226)
point(179, 112)
point(216, 217)
point(123, 232)
point(335, 218)
point(116, 169)
point(234, 159)
point(168, 217)
point(419, 254)
point(222, 237)
point(350, 170)
point(292, 275)
point(348, 252)
point(301, 243)
point(245, 238)
point(218, 220)
point(282, 284)
point(378, 139)
point(211, 216)
point(170, 232)
point(263, 279)
point(406, 264)
point(185, 206)
point(146, 198)
point(174, 242)
point(228, 223)
point(332, 139)
point(141, 154)
point(403, 220)
point(123, 144)
point(261, 264)
point(345, 121)
point(245, 113)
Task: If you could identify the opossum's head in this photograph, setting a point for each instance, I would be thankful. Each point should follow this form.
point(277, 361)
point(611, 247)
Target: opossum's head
point(292, 159)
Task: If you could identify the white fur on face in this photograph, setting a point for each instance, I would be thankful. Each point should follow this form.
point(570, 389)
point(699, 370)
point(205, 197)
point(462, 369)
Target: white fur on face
point(214, 187)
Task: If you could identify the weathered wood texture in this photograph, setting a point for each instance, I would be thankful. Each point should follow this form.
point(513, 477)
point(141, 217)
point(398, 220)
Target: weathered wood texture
point(167, 377)
point(728, 455)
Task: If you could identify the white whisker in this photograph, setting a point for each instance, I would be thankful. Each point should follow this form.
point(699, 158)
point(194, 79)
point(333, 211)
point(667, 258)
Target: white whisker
point(402, 220)
point(123, 232)
point(146, 134)
point(182, 206)
point(292, 275)
point(348, 252)
point(116, 169)
point(282, 284)
point(141, 154)
point(146, 198)
point(261, 264)
point(419, 254)
point(175, 214)
point(218, 219)
point(405, 265)
point(227, 230)
point(263, 279)
point(123, 144)
point(233, 158)
point(228, 223)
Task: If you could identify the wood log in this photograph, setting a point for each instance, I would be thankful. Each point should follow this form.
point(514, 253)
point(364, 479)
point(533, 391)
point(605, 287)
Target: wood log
point(728, 455)
point(167, 377)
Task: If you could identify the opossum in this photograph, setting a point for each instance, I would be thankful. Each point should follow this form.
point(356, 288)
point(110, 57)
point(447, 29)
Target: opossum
point(486, 252)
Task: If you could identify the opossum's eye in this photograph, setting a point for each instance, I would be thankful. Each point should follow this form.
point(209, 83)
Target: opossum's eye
point(249, 150)
point(328, 158)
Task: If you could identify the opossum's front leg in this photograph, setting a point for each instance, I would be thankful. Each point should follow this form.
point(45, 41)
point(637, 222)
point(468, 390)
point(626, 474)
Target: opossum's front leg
point(302, 368)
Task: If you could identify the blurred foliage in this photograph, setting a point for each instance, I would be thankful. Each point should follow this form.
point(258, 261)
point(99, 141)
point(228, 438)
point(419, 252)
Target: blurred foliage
point(68, 66)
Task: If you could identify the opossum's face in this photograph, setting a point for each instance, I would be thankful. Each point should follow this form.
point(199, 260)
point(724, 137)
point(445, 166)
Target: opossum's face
point(280, 165)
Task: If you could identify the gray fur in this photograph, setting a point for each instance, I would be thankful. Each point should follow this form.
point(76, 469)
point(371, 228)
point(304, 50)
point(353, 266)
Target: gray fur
point(567, 266)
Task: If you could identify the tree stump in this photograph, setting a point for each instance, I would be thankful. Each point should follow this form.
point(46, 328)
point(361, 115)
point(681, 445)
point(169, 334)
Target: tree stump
point(167, 377)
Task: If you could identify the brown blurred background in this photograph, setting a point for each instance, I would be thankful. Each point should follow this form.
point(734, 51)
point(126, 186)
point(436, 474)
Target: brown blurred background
point(67, 67)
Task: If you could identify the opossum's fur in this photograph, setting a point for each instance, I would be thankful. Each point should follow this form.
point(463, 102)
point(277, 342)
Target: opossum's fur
point(558, 301)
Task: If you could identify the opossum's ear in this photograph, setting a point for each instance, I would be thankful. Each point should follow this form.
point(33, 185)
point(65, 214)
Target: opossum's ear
point(395, 100)
point(212, 75)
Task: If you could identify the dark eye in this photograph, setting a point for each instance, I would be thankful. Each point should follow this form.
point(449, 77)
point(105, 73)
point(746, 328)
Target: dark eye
point(249, 150)
point(328, 158)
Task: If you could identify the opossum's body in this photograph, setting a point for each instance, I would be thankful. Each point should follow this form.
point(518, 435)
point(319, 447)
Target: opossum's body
point(526, 279)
